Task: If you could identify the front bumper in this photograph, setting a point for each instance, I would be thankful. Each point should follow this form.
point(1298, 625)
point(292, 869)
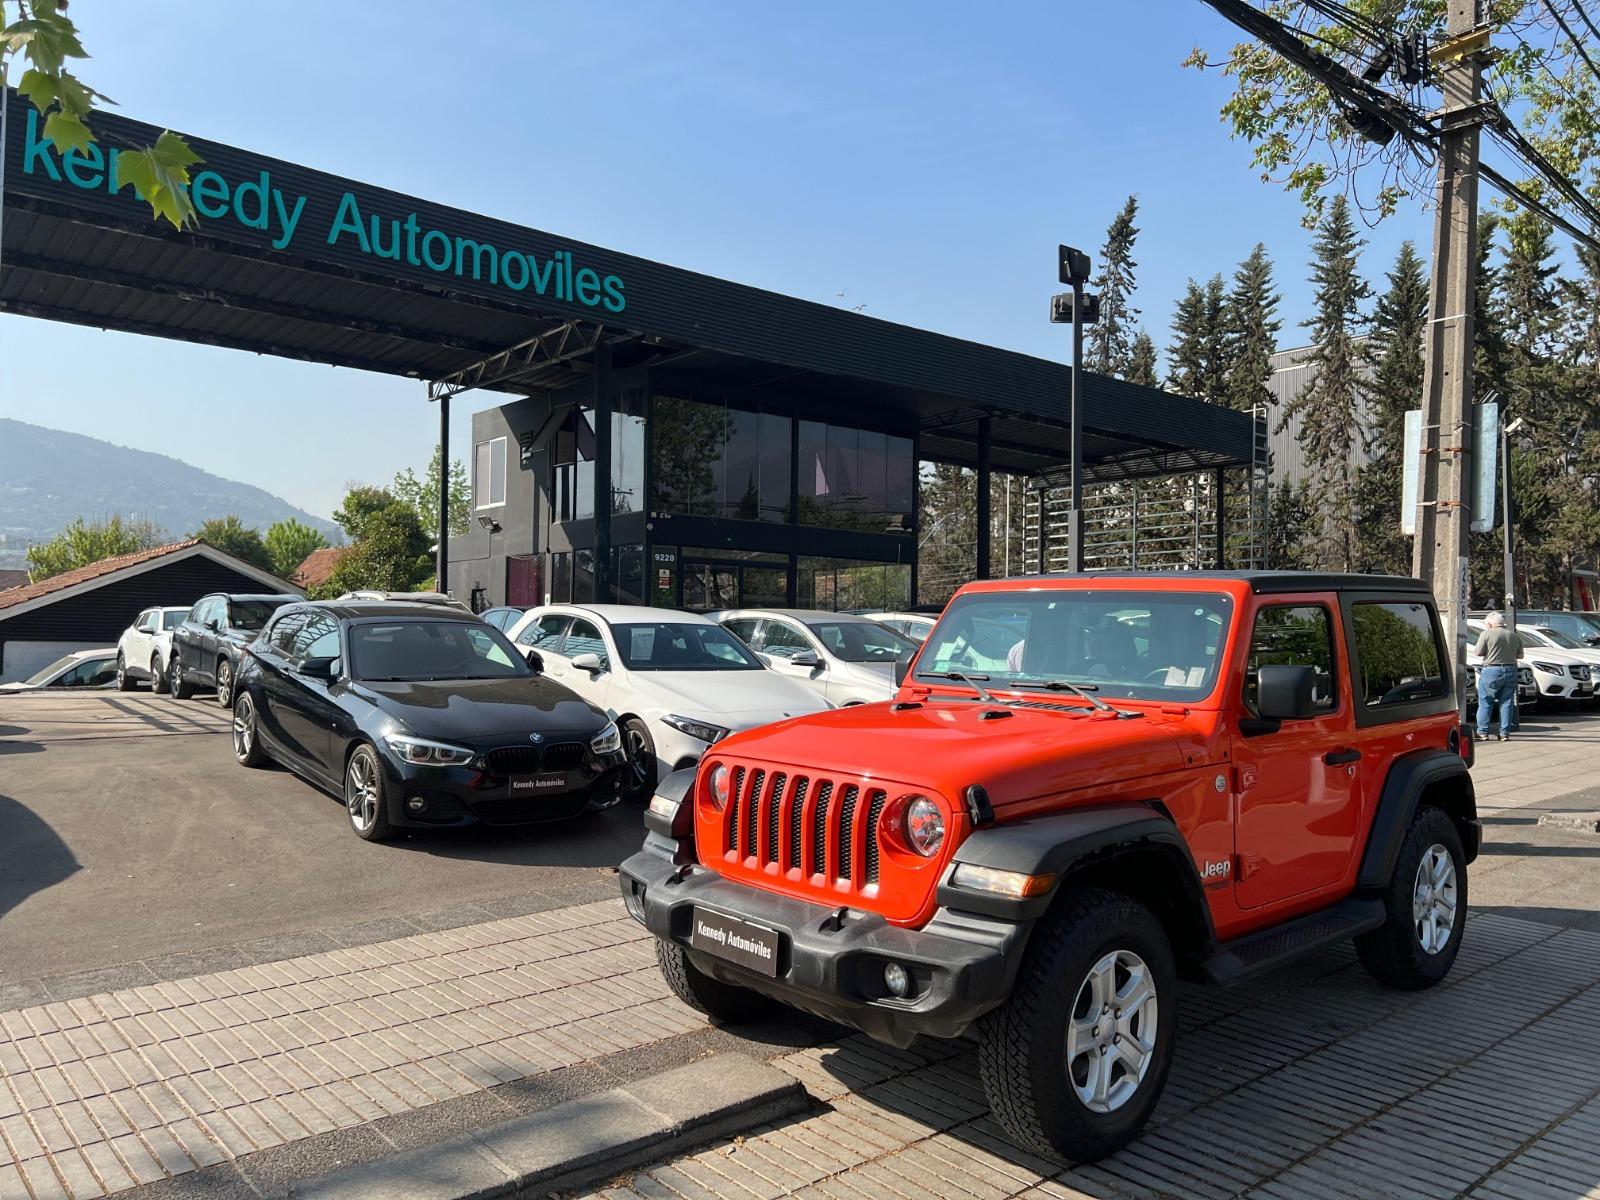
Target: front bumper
point(457, 796)
point(960, 964)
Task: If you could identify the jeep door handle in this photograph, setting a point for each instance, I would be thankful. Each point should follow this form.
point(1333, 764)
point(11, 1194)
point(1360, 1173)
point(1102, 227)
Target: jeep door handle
point(1337, 758)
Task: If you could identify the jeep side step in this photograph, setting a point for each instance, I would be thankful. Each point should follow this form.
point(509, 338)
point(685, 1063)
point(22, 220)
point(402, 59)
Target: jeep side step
point(1257, 953)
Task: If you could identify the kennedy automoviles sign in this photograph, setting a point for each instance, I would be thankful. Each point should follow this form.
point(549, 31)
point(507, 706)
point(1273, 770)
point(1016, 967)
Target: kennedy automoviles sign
point(257, 203)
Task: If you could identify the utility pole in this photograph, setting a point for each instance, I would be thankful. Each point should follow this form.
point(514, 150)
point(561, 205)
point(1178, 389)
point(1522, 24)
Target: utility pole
point(1439, 554)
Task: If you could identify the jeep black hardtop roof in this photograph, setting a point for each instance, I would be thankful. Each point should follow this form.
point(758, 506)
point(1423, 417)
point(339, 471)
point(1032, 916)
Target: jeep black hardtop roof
point(1271, 581)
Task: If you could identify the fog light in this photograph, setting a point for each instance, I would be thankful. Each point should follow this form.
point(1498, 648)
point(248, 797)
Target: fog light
point(896, 980)
point(416, 804)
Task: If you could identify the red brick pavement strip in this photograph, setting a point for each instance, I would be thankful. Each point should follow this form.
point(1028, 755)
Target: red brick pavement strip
point(1315, 1085)
point(111, 1091)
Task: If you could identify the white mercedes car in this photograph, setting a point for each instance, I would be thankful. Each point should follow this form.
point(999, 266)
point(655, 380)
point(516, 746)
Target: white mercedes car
point(1558, 674)
point(846, 659)
point(674, 682)
point(145, 647)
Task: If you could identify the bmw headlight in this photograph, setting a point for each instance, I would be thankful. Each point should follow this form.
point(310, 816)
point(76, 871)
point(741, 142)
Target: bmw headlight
point(608, 740)
point(423, 753)
point(703, 730)
point(1551, 668)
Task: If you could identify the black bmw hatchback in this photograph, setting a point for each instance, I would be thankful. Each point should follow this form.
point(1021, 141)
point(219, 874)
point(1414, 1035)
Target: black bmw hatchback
point(419, 716)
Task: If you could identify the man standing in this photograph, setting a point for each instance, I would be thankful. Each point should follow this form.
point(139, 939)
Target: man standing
point(1497, 679)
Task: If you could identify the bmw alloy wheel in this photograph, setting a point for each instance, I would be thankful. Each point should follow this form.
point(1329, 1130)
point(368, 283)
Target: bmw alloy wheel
point(244, 727)
point(1433, 899)
point(363, 792)
point(1111, 1036)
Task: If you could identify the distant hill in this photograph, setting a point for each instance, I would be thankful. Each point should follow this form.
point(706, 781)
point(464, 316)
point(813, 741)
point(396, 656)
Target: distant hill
point(47, 478)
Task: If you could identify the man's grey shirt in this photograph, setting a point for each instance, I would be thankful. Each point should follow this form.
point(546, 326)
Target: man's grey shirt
point(1498, 647)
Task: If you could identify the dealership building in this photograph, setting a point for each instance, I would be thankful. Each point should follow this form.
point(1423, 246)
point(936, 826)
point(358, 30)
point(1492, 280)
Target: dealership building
point(660, 435)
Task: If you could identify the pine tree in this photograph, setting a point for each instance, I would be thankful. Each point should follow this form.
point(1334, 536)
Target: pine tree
point(1110, 340)
point(1198, 355)
point(1330, 405)
point(1251, 334)
point(1143, 365)
point(1399, 322)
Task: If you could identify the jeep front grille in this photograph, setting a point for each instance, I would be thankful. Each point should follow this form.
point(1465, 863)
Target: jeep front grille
point(827, 828)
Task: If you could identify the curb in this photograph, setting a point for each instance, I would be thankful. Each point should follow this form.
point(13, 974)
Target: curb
point(582, 1142)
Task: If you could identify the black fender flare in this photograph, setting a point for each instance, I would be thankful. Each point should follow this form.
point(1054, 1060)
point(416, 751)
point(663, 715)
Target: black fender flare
point(679, 786)
point(1064, 843)
point(1409, 777)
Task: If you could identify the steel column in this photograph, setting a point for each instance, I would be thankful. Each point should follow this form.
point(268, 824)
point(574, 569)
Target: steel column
point(442, 562)
point(985, 481)
point(602, 474)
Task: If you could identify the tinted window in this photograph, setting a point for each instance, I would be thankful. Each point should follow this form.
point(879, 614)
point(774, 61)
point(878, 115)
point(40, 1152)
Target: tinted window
point(430, 650)
point(1295, 636)
point(544, 633)
point(1400, 659)
point(584, 638)
point(861, 641)
point(1163, 646)
point(284, 630)
point(783, 640)
point(251, 614)
point(172, 620)
point(667, 646)
point(146, 622)
point(319, 638)
point(1557, 638)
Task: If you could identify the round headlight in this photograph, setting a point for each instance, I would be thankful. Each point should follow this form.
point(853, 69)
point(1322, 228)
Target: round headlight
point(719, 786)
point(924, 825)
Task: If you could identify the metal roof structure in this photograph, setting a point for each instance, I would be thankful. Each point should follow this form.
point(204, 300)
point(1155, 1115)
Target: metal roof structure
point(300, 263)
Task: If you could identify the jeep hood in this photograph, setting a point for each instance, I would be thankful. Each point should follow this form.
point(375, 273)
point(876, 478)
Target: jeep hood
point(946, 746)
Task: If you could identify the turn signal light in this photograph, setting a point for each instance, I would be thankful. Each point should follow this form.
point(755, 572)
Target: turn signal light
point(1001, 883)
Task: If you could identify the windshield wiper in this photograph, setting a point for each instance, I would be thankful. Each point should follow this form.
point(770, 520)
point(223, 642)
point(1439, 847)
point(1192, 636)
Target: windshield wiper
point(1061, 685)
point(971, 681)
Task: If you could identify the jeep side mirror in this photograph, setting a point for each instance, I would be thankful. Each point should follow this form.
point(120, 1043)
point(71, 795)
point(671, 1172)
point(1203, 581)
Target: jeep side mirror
point(1286, 693)
point(902, 667)
point(805, 658)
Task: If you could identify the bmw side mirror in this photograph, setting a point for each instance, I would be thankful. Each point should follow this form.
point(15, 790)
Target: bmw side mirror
point(318, 668)
point(589, 662)
point(806, 658)
point(535, 661)
point(1286, 693)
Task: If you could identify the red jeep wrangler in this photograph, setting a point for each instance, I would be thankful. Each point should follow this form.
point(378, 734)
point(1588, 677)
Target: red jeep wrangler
point(1087, 787)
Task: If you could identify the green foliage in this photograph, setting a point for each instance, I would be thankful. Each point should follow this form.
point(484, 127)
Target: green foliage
point(1198, 356)
point(1109, 348)
point(84, 542)
point(1292, 521)
point(232, 536)
point(43, 35)
point(1250, 333)
point(390, 551)
point(360, 503)
point(422, 495)
point(1143, 367)
point(1300, 139)
point(288, 542)
point(947, 532)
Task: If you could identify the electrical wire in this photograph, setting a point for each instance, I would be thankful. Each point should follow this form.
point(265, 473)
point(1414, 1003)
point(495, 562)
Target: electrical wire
point(1577, 43)
point(1512, 191)
point(1584, 14)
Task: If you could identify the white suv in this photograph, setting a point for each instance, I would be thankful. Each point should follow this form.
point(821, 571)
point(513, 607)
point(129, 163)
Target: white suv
point(1558, 674)
point(145, 647)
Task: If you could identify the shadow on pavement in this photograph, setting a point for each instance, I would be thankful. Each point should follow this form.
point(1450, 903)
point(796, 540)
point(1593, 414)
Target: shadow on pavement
point(601, 839)
point(35, 858)
point(12, 746)
point(1524, 849)
point(1567, 918)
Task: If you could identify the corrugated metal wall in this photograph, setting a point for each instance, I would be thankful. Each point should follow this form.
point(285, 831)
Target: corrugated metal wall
point(1290, 375)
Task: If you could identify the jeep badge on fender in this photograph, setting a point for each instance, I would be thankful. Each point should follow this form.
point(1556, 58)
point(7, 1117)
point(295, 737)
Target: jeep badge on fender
point(1199, 775)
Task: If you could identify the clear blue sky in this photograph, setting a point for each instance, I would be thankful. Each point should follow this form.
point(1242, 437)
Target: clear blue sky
point(922, 158)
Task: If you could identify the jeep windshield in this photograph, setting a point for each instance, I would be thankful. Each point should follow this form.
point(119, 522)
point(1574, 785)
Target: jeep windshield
point(1123, 644)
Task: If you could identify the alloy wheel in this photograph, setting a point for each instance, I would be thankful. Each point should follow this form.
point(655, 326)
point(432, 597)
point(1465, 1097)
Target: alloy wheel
point(641, 772)
point(176, 672)
point(1433, 899)
point(361, 792)
point(122, 673)
point(244, 727)
point(1111, 1035)
point(224, 683)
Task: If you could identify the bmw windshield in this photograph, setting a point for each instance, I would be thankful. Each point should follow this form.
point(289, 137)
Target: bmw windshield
point(1127, 645)
point(418, 651)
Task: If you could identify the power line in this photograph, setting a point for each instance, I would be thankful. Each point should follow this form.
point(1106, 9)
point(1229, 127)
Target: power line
point(1513, 192)
point(1577, 43)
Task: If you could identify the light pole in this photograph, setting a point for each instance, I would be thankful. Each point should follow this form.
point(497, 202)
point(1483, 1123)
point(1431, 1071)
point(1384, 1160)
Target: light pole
point(1081, 309)
point(1506, 430)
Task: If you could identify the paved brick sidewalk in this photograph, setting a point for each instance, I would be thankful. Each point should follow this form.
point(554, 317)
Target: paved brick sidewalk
point(106, 1092)
point(1313, 1084)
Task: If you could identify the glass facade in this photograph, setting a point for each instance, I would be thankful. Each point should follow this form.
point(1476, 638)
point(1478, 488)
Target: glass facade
point(837, 584)
point(572, 488)
point(855, 478)
point(713, 460)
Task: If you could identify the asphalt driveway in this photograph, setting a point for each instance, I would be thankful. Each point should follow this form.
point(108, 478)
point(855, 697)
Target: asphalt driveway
point(129, 834)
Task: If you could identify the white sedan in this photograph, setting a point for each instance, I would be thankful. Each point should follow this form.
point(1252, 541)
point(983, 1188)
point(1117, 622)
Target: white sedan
point(80, 669)
point(845, 658)
point(675, 683)
point(145, 647)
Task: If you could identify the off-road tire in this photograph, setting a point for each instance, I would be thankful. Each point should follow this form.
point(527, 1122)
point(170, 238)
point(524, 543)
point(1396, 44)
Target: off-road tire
point(719, 1001)
point(177, 686)
point(158, 676)
point(1393, 953)
point(1022, 1056)
point(125, 682)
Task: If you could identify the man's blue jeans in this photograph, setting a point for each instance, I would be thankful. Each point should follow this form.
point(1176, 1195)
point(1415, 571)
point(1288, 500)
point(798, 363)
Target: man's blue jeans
point(1497, 688)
